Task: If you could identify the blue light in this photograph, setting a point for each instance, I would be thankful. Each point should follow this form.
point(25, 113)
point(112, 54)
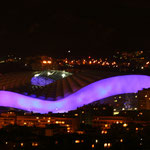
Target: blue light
point(41, 81)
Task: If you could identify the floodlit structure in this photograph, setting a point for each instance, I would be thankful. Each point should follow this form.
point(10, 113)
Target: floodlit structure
point(85, 95)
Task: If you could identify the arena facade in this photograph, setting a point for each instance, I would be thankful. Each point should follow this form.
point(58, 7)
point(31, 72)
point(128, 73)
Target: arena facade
point(60, 91)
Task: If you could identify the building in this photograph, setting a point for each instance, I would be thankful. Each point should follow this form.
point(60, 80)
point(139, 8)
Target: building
point(144, 99)
point(59, 91)
point(37, 120)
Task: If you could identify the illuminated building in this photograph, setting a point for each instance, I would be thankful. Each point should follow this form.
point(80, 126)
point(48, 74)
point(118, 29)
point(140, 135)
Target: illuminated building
point(42, 121)
point(93, 92)
point(105, 122)
point(144, 99)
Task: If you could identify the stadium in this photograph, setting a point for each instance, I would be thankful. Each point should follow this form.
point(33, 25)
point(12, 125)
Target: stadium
point(61, 91)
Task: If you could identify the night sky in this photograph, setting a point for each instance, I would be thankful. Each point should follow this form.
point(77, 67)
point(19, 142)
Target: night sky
point(43, 27)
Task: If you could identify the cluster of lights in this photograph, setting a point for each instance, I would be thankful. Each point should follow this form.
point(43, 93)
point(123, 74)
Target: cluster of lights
point(60, 122)
point(104, 132)
point(79, 141)
point(90, 62)
point(107, 145)
point(47, 62)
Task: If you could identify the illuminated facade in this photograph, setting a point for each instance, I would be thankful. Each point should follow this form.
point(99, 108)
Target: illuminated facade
point(41, 121)
point(144, 99)
point(88, 94)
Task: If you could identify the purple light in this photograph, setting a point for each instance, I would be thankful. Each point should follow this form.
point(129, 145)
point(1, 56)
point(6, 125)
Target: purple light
point(41, 81)
point(95, 91)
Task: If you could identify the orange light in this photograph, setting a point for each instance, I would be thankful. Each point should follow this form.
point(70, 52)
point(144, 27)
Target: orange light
point(105, 144)
point(77, 141)
point(125, 125)
point(34, 144)
point(136, 129)
point(84, 62)
point(90, 62)
point(103, 132)
point(49, 62)
point(44, 62)
point(106, 125)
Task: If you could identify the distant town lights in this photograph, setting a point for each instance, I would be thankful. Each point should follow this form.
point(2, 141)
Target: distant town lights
point(47, 62)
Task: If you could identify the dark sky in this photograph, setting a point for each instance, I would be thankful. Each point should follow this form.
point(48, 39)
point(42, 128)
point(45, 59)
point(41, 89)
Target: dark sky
point(29, 27)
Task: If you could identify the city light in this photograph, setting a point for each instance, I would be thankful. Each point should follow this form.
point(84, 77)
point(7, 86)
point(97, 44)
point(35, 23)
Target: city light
point(125, 125)
point(44, 61)
point(49, 62)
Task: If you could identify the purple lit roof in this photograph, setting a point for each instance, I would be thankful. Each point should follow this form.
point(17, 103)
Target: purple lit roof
point(95, 91)
point(41, 81)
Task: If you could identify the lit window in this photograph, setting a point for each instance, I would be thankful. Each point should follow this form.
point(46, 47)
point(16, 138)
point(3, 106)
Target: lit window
point(117, 122)
point(90, 62)
point(93, 146)
point(105, 145)
point(125, 125)
point(76, 114)
point(49, 62)
point(63, 122)
point(104, 108)
point(44, 61)
point(106, 125)
point(136, 129)
point(34, 144)
point(108, 144)
point(77, 141)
